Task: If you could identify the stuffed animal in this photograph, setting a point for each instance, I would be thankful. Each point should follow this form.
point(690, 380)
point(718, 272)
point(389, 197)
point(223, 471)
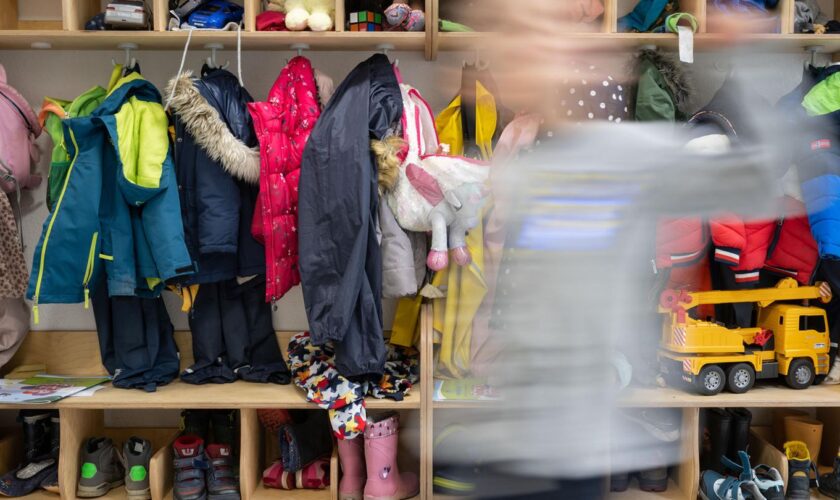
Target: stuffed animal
point(399, 16)
point(316, 15)
point(427, 190)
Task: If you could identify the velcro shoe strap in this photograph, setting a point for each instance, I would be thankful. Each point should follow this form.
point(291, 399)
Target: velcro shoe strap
point(187, 475)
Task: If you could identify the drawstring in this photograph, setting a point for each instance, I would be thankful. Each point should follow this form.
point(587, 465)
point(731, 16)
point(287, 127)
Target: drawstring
point(239, 54)
point(180, 70)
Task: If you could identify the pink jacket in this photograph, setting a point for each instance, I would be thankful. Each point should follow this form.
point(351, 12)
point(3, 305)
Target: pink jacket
point(283, 125)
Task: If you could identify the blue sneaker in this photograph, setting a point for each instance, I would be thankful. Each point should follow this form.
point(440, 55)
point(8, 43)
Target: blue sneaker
point(715, 486)
point(768, 480)
point(27, 478)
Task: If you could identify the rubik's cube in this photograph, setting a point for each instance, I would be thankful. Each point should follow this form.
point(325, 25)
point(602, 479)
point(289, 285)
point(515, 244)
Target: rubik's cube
point(365, 20)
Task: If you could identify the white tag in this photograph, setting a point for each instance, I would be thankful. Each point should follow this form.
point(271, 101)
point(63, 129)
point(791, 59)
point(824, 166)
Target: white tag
point(686, 44)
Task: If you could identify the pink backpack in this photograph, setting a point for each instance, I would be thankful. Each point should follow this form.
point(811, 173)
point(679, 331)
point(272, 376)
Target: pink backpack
point(18, 130)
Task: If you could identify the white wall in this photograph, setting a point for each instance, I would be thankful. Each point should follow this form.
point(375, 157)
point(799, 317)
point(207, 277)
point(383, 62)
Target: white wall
point(67, 74)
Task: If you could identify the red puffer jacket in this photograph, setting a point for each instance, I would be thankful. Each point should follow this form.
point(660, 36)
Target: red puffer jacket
point(283, 124)
point(680, 242)
point(784, 246)
point(794, 252)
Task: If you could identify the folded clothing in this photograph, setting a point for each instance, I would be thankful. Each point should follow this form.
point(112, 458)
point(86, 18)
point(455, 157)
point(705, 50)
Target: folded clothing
point(271, 21)
point(647, 15)
point(304, 442)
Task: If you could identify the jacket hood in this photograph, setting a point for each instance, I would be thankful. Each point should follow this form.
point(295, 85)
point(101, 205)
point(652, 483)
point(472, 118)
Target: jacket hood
point(676, 79)
point(203, 122)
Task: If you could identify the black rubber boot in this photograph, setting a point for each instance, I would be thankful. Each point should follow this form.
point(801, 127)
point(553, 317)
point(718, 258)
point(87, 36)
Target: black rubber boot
point(224, 427)
point(196, 423)
point(740, 434)
point(55, 435)
point(36, 433)
point(718, 434)
point(830, 483)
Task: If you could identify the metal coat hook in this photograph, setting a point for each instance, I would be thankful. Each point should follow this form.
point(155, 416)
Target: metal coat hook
point(648, 46)
point(299, 47)
point(130, 62)
point(211, 61)
point(813, 50)
point(385, 48)
point(478, 65)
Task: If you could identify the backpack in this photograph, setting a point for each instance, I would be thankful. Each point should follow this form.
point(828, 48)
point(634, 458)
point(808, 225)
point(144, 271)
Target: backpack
point(18, 130)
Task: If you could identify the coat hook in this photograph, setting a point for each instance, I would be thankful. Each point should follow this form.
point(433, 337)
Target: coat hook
point(385, 48)
point(299, 47)
point(814, 49)
point(127, 47)
point(211, 61)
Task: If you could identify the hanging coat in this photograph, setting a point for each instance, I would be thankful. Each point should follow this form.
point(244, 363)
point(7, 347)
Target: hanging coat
point(118, 206)
point(217, 167)
point(340, 260)
point(283, 124)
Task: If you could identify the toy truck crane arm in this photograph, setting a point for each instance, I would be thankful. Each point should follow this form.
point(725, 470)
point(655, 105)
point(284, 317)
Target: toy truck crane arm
point(786, 289)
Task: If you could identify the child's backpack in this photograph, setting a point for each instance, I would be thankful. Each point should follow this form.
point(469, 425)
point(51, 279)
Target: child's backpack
point(18, 130)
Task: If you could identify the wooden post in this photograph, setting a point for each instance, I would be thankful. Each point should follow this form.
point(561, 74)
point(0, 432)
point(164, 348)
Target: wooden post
point(427, 382)
point(76, 426)
point(340, 15)
point(432, 29)
point(8, 15)
point(75, 13)
point(160, 15)
point(252, 8)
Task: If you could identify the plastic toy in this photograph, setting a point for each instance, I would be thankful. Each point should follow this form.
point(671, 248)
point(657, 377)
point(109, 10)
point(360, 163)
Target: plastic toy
point(126, 14)
point(399, 16)
point(790, 339)
point(215, 14)
point(365, 20)
point(316, 15)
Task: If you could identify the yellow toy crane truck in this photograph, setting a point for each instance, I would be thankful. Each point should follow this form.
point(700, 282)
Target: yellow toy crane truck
point(790, 338)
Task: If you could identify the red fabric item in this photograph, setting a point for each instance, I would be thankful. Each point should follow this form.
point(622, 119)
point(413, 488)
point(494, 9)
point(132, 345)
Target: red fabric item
point(283, 125)
point(271, 21)
point(795, 253)
point(187, 446)
point(742, 245)
point(680, 242)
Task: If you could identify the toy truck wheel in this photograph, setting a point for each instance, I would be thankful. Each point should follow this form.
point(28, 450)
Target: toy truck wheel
point(710, 380)
point(800, 373)
point(740, 378)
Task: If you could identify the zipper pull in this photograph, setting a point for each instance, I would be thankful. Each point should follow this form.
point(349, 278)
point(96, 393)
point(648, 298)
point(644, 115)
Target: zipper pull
point(87, 298)
point(35, 312)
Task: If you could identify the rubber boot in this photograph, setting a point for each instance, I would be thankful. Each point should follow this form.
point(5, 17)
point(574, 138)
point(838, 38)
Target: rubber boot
point(799, 471)
point(740, 434)
point(719, 433)
point(384, 480)
point(37, 430)
point(351, 456)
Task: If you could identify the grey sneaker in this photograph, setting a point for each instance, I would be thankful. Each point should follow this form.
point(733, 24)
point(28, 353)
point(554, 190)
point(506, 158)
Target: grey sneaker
point(101, 468)
point(137, 452)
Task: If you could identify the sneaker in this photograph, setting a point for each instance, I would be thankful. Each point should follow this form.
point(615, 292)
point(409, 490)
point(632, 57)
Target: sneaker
point(276, 477)
point(137, 452)
point(655, 480)
point(195, 423)
point(661, 423)
point(221, 480)
point(50, 482)
point(101, 468)
point(620, 482)
point(190, 465)
point(716, 486)
point(833, 377)
point(830, 483)
point(315, 476)
point(768, 480)
point(28, 477)
point(799, 471)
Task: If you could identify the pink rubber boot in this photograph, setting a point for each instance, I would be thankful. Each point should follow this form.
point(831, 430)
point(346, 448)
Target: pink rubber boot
point(351, 456)
point(384, 481)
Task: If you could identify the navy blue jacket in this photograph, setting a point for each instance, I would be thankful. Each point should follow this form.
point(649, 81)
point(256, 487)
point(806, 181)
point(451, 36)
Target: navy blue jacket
point(217, 194)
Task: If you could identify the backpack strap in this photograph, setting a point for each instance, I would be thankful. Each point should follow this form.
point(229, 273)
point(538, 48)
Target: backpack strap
point(418, 124)
point(8, 93)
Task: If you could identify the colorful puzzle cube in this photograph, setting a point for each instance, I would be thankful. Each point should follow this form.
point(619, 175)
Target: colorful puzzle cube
point(365, 20)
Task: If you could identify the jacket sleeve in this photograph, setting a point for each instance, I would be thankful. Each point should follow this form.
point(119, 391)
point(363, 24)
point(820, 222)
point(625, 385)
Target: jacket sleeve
point(729, 237)
point(147, 180)
point(653, 102)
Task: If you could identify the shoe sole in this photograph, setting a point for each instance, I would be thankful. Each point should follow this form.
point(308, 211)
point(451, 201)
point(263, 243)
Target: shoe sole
point(395, 497)
point(233, 495)
point(703, 495)
point(139, 494)
point(96, 491)
point(52, 489)
point(829, 494)
point(350, 496)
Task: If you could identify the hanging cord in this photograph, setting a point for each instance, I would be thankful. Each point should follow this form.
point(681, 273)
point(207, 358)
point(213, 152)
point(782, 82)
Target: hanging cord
point(180, 70)
point(239, 54)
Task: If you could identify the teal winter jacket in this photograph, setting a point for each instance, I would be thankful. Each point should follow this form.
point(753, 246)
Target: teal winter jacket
point(118, 210)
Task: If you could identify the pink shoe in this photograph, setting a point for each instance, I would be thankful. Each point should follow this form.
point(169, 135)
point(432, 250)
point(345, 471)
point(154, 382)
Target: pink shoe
point(315, 476)
point(351, 456)
point(384, 480)
point(276, 477)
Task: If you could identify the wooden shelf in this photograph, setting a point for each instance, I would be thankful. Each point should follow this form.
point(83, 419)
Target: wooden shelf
point(175, 40)
point(762, 395)
point(458, 404)
point(239, 394)
point(263, 493)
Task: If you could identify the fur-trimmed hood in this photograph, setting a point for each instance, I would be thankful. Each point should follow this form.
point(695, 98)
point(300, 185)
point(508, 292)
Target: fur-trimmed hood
point(675, 78)
point(211, 132)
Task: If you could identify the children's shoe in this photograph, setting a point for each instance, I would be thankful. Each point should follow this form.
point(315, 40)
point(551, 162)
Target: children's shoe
point(799, 471)
point(351, 459)
point(384, 480)
point(190, 465)
point(137, 453)
point(224, 427)
point(833, 377)
point(28, 477)
point(37, 431)
point(620, 482)
point(315, 476)
point(655, 480)
point(101, 469)
point(221, 480)
point(715, 486)
point(276, 477)
point(767, 479)
point(830, 483)
point(457, 480)
point(50, 482)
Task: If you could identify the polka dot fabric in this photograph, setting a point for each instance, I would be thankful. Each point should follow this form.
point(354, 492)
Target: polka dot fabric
point(283, 125)
point(590, 94)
